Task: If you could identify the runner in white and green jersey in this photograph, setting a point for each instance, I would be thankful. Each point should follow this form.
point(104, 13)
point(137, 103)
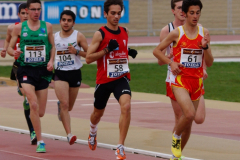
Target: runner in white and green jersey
point(36, 58)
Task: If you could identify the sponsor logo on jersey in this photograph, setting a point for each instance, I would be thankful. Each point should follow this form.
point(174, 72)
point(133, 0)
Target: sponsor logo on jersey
point(43, 30)
point(25, 34)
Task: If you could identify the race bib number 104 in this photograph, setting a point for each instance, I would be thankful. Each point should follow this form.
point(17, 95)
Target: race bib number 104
point(34, 54)
point(64, 58)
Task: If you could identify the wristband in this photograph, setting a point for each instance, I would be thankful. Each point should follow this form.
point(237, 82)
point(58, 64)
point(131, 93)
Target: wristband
point(170, 63)
point(77, 53)
point(205, 47)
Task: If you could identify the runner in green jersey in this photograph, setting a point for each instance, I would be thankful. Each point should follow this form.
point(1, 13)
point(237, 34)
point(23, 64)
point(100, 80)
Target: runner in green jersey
point(36, 59)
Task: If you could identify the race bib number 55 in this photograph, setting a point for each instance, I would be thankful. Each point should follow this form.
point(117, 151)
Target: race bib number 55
point(191, 58)
point(117, 67)
point(34, 54)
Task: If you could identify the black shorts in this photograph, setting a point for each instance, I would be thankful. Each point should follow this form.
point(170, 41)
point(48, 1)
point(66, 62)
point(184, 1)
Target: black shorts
point(73, 77)
point(15, 66)
point(33, 76)
point(103, 91)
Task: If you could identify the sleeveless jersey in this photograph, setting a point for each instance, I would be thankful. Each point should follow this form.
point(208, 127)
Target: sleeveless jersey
point(17, 46)
point(113, 65)
point(63, 60)
point(35, 46)
point(189, 52)
point(169, 48)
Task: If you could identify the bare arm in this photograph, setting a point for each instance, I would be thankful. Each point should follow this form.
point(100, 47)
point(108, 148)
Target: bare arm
point(15, 33)
point(92, 55)
point(53, 49)
point(208, 58)
point(82, 41)
point(7, 40)
point(163, 34)
point(160, 55)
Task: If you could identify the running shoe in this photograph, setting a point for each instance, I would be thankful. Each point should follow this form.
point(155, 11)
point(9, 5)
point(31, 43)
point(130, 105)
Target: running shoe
point(176, 147)
point(181, 158)
point(33, 138)
point(19, 91)
point(71, 139)
point(41, 148)
point(92, 141)
point(59, 110)
point(120, 153)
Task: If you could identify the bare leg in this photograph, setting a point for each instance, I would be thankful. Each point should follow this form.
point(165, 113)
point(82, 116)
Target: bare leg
point(37, 101)
point(201, 112)
point(178, 113)
point(124, 121)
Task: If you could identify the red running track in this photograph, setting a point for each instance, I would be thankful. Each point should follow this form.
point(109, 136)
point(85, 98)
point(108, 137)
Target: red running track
point(14, 146)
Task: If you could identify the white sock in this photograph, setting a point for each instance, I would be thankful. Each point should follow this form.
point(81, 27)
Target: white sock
point(173, 157)
point(119, 146)
point(40, 142)
point(176, 136)
point(69, 135)
point(93, 128)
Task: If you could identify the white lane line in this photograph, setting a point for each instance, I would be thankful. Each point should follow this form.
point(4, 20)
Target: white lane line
point(83, 99)
point(23, 155)
point(102, 145)
point(118, 103)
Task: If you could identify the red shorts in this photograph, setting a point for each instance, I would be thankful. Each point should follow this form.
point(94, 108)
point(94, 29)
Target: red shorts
point(194, 86)
point(169, 91)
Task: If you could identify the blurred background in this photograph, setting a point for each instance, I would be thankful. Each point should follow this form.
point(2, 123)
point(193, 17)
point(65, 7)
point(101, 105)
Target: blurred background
point(141, 17)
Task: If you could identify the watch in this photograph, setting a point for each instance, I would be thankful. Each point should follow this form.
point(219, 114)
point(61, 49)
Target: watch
point(205, 47)
point(77, 53)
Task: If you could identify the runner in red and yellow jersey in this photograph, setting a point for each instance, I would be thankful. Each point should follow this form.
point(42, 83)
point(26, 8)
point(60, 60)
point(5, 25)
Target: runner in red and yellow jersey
point(23, 15)
point(191, 45)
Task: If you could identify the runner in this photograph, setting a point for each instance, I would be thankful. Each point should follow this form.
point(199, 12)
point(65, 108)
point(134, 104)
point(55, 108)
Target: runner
point(179, 20)
point(36, 63)
point(109, 49)
point(68, 43)
point(23, 15)
point(191, 46)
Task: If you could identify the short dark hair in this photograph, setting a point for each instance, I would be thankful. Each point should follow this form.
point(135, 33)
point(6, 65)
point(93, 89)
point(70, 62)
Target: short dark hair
point(108, 3)
point(188, 3)
point(32, 1)
point(69, 13)
point(173, 5)
point(22, 6)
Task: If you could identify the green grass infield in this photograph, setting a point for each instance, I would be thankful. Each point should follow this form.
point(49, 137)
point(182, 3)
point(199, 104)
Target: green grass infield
point(223, 82)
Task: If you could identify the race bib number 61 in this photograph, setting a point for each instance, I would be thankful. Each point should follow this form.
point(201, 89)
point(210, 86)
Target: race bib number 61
point(191, 58)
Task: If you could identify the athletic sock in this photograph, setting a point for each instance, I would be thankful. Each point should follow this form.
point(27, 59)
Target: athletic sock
point(40, 142)
point(119, 145)
point(176, 136)
point(93, 128)
point(29, 123)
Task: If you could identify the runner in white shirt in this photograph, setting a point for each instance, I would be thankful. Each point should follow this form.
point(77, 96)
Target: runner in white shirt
point(68, 43)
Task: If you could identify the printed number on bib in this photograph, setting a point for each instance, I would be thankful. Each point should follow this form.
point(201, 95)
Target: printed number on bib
point(117, 67)
point(191, 58)
point(63, 58)
point(35, 54)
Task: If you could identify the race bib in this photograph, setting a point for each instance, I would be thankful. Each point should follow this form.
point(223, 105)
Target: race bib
point(18, 46)
point(63, 58)
point(34, 54)
point(117, 67)
point(191, 58)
